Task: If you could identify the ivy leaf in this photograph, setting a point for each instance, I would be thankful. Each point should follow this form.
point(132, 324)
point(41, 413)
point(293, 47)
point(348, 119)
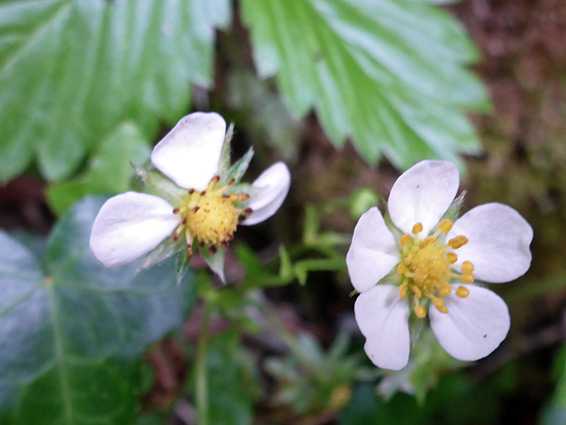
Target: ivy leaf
point(73, 331)
point(109, 171)
point(72, 70)
point(390, 75)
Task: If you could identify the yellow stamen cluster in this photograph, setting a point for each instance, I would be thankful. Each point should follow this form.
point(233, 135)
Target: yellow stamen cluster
point(210, 216)
point(425, 268)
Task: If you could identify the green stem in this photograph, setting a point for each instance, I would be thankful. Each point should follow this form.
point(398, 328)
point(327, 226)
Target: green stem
point(201, 370)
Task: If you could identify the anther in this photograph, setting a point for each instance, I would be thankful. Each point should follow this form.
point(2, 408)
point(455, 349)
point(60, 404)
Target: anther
point(429, 240)
point(420, 311)
point(189, 253)
point(445, 225)
point(176, 210)
point(241, 217)
point(417, 291)
point(203, 193)
point(403, 291)
point(224, 244)
point(175, 237)
point(215, 179)
point(467, 278)
point(405, 239)
point(458, 242)
point(232, 181)
point(195, 209)
point(445, 291)
point(213, 249)
point(452, 257)
point(462, 292)
point(417, 228)
point(400, 270)
point(248, 211)
point(244, 197)
point(467, 267)
point(439, 304)
point(191, 191)
point(184, 221)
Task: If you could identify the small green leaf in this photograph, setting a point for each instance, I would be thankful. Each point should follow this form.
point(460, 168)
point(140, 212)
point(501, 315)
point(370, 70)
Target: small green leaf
point(232, 383)
point(109, 171)
point(73, 331)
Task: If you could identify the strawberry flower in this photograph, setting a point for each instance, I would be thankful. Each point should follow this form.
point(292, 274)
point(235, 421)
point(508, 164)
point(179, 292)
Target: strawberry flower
point(426, 264)
point(203, 205)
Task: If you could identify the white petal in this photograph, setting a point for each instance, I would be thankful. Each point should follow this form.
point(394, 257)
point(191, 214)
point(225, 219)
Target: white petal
point(422, 194)
point(271, 187)
point(383, 318)
point(190, 152)
point(474, 326)
point(498, 242)
point(130, 225)
point(373, 252)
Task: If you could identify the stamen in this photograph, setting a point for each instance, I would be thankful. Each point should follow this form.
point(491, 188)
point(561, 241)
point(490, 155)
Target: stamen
point(467, 278)
point(405, 239)
point(400, 270)
point(215, 179)
point(203, 193)
point(248, 211)
point(462, 292)
point(429, 240)
point(417, 291)
point(176, 210)
point(445, 291)
point(191, 191)
point(232, 181)
point(457, 242)
point(420, 311)
point(445, 225)
point(439, 304)
point(175, 237)
point(244, 197)
point(452, 257)
point(467, 267)
point(403, 291)
point(409, 259)
point(213, 249)
point(417, 228)
point(189, 253)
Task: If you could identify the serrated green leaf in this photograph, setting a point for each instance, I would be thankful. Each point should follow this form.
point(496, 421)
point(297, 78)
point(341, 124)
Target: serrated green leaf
point(73, 331)
point(390, 74)
point(72, 70)
point(109, 171)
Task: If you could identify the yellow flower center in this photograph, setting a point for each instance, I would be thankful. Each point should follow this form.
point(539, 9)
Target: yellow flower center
point(425, 268)
point(211, 216)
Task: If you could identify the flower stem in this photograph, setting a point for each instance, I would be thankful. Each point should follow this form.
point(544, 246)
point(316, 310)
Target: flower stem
point(201, 369)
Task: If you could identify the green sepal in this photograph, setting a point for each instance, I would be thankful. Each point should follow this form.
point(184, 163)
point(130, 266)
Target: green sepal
point(239, 168)
point(159, 185)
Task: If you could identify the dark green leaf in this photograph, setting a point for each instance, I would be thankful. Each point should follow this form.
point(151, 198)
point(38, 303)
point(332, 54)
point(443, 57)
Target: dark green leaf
point(73, 331)
point(72, 70)
point(390, 74)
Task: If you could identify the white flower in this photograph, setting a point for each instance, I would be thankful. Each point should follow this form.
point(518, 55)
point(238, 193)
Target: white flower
point(132, 224)
point(433, 265)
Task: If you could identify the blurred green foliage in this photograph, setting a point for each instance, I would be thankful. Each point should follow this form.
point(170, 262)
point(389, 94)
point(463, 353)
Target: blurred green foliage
point(71, 71)
point(391, 75)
